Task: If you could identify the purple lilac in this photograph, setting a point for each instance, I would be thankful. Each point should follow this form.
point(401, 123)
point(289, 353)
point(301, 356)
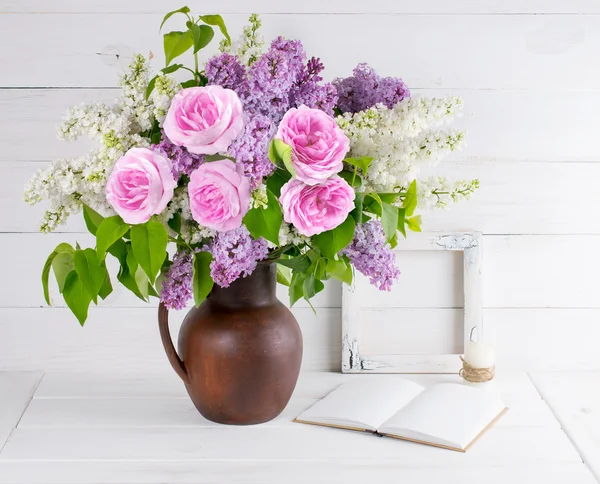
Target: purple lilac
point(235, 254)
point(372, 256)
point(183, 161)
point(176, 288)
point(252, 146)
point(272, 77)
point(227, 71)
point(310, 93)
point(278, 80)
point(365, 89)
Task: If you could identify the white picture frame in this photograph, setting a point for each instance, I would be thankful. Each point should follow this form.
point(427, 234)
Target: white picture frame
point(353, 361)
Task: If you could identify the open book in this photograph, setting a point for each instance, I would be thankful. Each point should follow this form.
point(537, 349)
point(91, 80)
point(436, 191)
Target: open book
point(446, 415)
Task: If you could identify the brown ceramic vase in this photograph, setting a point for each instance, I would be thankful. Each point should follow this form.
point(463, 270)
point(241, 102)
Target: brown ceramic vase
point(239, 351)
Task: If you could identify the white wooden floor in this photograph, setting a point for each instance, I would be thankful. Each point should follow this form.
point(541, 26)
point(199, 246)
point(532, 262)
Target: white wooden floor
point(99, 428)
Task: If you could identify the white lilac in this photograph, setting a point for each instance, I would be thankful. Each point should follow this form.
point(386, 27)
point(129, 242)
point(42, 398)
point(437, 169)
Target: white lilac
point(402, 139)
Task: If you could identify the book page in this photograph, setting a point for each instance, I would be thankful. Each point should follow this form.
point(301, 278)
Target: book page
point(447, 414)
point(363, 403)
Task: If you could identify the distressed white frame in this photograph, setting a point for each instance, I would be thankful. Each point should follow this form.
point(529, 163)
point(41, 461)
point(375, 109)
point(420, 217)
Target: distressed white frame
point(353, 361)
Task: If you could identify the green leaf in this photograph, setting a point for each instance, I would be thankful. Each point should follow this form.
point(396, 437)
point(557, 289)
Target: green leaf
point(63, 247)
point(362, 162)
point(209, 158)
point(410, 200)
point(76, 297)
point(92, 219)
point(106, 288)
point(90, 270)
point(128, 281)
point(354, 181)
point(281, 153)
point(184, 10)
point(217, 21)
point(296, 290)
point(150, 86)
point(277, 180)
point(311, 286)
point(203, 282)
point(401, 221)
point(202, 35)
point(332, 241)
point(414, 223)
point(340, 270)
point(149, 244)
point(175, 222)
point(176, 43)
point(297, 264)
point(139, 276)
point(265, 222)
point(109, 231)
point(389, 220)
point(284, 275)
point(62, 265)
point(172, 68)
point(190, 83)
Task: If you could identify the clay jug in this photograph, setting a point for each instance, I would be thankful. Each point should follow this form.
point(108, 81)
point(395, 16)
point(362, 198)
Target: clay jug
point(239, 351)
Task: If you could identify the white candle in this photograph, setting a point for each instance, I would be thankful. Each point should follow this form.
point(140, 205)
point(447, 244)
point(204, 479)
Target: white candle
point(480, 355)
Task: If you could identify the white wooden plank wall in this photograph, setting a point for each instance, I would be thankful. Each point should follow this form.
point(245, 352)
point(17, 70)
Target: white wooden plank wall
point(527, 72)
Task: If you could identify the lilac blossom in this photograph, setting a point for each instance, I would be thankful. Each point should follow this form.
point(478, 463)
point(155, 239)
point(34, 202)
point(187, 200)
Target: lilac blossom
point(184, 162)
point(176, 288)
point(370, 254)
point(252, 146)
point(310, 93)
point(365, 88)
point(227, 71)
point(235, 254)
point(279, 80)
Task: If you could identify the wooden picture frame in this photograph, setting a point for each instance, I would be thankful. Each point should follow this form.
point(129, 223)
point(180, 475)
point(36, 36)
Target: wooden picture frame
point(353, 361)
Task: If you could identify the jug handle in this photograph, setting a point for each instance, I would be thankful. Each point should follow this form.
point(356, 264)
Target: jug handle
point(165, 336)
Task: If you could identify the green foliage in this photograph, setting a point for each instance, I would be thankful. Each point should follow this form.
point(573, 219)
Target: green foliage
point(402, 221)
point(362, 162)
point(340, 269)
point(149, 244)
point(91, 271)
point(62, 267)
point(203, 282)
point(140, 278)
point(389, 220)
point(183, 10)
point(411, 199)
point(265, 222)
point(106, 288)
point(280, 154)
point(110, 230)
point(175, 222)
point(202, 35)
point(92, 219)
point(176, 43)
point(334, 240)
point(279, 178)
point(217, 21)
point(300, 263)
point(76, 297)
point(284, 275)
point(354, 180)
point(414, 223)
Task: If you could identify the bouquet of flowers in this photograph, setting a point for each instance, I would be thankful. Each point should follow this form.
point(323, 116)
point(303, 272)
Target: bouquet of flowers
point(252, 157)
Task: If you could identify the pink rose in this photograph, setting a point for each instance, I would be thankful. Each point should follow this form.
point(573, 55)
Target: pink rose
point(318, 144)
point(313, 209)
point(219, 195)
point(204, 119)
point(140, 185)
